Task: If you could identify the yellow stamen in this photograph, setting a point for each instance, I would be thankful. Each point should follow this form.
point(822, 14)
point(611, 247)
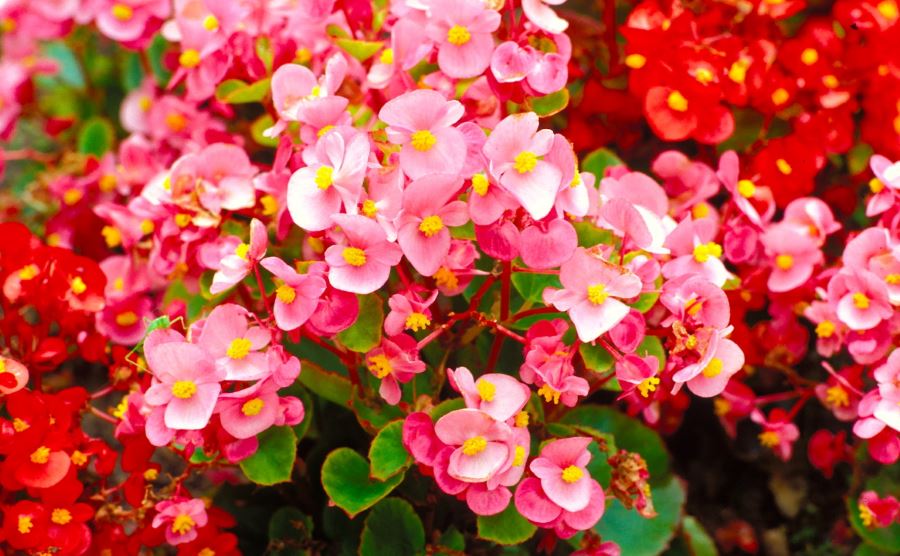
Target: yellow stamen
point(78, 286)
point(147, 226)
point(78, 458)
point(189, 59)
point(769, 439)
point(888, 9)
point(836, 396)
point(784, 261)
point(714, 368)
point(825, 329)
point(648, 385)
point(417, 321)
point(780, 96)
point(252, 407)
point(151, 474)
point(738, 71)
point(323, 179)
point(486, 390)
point(239, 348)
point(458, 35)
point(128, 318)
point(61, 516)
point(41, 455)
point(700, 210)
point(861, 300)
point(369, 208)
point(474, 445)
point(703, 251)
point(210, 23)
point(525, 162)
point(19, 425)
point(28, 272)
point(431, 225)
point(184, 389)
point(809, 56)
point(269, 205)
point(354, 256)
point(597, 294)
point(677, 102)
point(379, 365)
point(721, 406)
point(423, 140)
point(892, 279)
point(24, 524)
point(549, 393)
point(519, 458)
point(445, 277)
point(107, 183)
point(242, 250)
point(182, 220)
point(122, 12)
point(286, 294)
point(72, 196)
point(704, 75)
point(387, 56)
point(182, 524)
point(635, 61)
point(522, 419)
point(865, 515)
point(480, 184)
point(746, 188)
point(572, 474)
point(176, 122)
point(784, 167)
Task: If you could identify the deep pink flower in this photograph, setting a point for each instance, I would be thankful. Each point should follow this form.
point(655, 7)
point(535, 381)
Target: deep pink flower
point(500, 396)
point(233, 344)
point(875, 511)
point(408, 312)
point(462, 30)
point(181, 518)
point(250, 411)
point(235, 266)
point(396, 361)
point(778, 433)
point(362, 262)
point(296, 295)
point(429, 210)
point(860, 298)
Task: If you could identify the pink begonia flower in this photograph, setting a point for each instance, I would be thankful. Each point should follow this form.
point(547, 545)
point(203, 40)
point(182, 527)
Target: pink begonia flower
point(123, 279)
point(235, 266)
point(542, 15)
point(547, 243)
point(483, 446)
point(125, 320)
point(592, 289)
point(408, 46)
point(630, 332)
point(811, 216)
point(488, 201)
point(124, 227)
point(333, 176)
point(419, 438)
point(422, 122)
point(500, 396)
point(837, 396)
point(408, 312)
point(556, 380)
point(741, 243)
point(283, 367)
point(638, 372)
point(250, 411)
point(429, 210)
point(883, 441)
point(296, 295)
point(830, 331)
point(456, 272)
point(220, 175)
point(688, 183)
point(709, 377)
point(131, 21)
point(396, 361)
point(778, 433)
point(234, 346)
point(180, 518)
point(562, 495)
point(572, 198)
point(747, 196)
point(337, 310)
point(860, 298)
point(872, 250)
point(516, 149)
point(297, 94)
point(186, 383)
point(887, 410)
point(885, 185)
point(870, 346)
point(499, 240)
point(875, 511)
point(13, 376)
point(635, 207)
point(462, 31)
point(384, 199)
point(362, 262)
point(695, 251)
point(545, 72)
point(792, 256)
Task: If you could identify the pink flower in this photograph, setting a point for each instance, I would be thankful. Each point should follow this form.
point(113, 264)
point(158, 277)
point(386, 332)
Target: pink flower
point(334, 175)
point(185, 383)
point(696, 300)
point(885, 185)
point(692, 243)
point(181, 518)
point(860, 298)
point(362, 262)
point(592, 289)
point(562, 495)
point(125, 320)
point(298, 95)
point(396, 361)
point(747, 196)
point(545, 72)
point(131, 21)
point(778, 433)
point(234, 346)
point(872, 250)
point(422, 122)
point(296, 295)
point(462, 30)
point(408, 46)
point(709, 376)
point(543, 16)
point(554, 375)
point(635, 208)
point(875, 511)
point(500, 396)
point(250, 411)
point(811, 216)
point(640, 373)
point(482, 446)
point(408, 312)
point(547, 243)
point(515, 150)
point(235, 266)
point(428, 212)
point(792, 255)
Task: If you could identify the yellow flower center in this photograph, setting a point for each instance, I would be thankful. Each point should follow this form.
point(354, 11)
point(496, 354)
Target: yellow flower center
point(151, 474)
point(147, 226)
point(252, 407)
point(876, 185)
point(700, 210)
point(184, 389)
point(176, 122)
point(458, 35)
point(892, 279)
point(474, 445)
point(242, 250)
point(122, 12)
point(486, 390)
point(784, 167)
point(387, 56)
point(269, 205)
point(41, 455)
point(519, 458)
point(182, 220)
point(780, 96)
point(379, 365)
point(572, 474)
point(29, 272)
point(480, 184)
point(189, 59)
point(704, 251)
point(286, 294)
point(417, 321)
point(549, 393)
point(239, 348)
point(690, 342)
point(738, 71)
point(431, 225)
point(182, 524)
point(769, 439)
point(61, 516)
point(128, 318)
point(72, 196)
point(78, 458)
point(369, 208)
point(721, 406)
point(784, 261)
point(522, 419)
point(78, 286)
point(446, 278)
point(24, 524)
point(2, 366)
point(836, 396)
point(635, 61)
point(207, 552)
point(677, 102)
point(888, 9)
point(597, 294)
point(714, 368)
point(809, 56)
point(19, 425)
point(119, 283)
point(865, 515)
point(825, 329)
point(746, 188)
point(210, 23)
point(525, 162)
point(323, 177)
point(107, 183)
point(648, 385)
point(861, 300)
point(704, 75)
point(423, 140)
point(354, 256)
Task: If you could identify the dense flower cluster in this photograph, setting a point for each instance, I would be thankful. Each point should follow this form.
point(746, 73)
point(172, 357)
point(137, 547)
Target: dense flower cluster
point(289, 169)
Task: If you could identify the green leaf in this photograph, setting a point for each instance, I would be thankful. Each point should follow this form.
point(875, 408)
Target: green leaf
point(642, 536)
point(596, 162)
point(274, 460)
point(365, 333)
point(866, 549)
point(155, 54)
point(387, 454)
point(549, 105)
point(596, 358)
point(507, 528)
point(69, 71)
point(392, 527)
point(345, 477)
point(264, 52)
point(361, 50)
point(858, 158)
point(651, 345)
point(452, 539)
point(590, 235)
point(698, 540)
point(96, 137)
point(132, 72)
point(235, 91)
point(330, 386)
point(747, 129)
point(289, 530)
point(257, 128)
point(446, 407)
point(531, 286)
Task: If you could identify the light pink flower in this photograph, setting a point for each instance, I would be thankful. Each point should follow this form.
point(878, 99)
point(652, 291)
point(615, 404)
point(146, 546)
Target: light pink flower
point(872, 250)
point(296, 295)
point(696, 300)
point(709, 377)
point(235, 266)
point(181, 518)
point(429, 210)
point(592, 289)
point(792, 256)
point(635, 207)
point(885, 184)
point(637, 376)
point(131, 21)
point(462, 30)
point(539, 13)
point(692, 243)
point(778, 433)
point(362, 262)
point(860, 298)
point(396, 361)
point(482, 446)
point(408, 312)
point(811, 216)
point(250, 411)
point(234, 346)
point(298, 95)
point(500, 396)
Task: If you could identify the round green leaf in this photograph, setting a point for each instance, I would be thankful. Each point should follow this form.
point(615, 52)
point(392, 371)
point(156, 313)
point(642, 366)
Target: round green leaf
point(508, 527)
point(531, 286)
point(365, 333)
point(274, 460)
point(698, 540)
point(361, 50)
point(551, 104)
point(392, 527)
point(235, 91)
point(345, 477)
point(596, 357)
point(596, 162)
point(640, 536)
point(96, 137)
point(387, 454)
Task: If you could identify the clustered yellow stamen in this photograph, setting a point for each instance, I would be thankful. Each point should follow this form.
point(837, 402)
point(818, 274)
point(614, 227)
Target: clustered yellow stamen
point(417, 321)
point(423, 140)
point(703, 251)
point(431, 225)
point(41, 455)
point(519, 458)
point(525, 162)
point(861, 300)
point(648, 385)
point(677, 102)
point(486, 390)
point(122, 12)
point(184, 389)
point(522, 419)
point(784, 261)
point(128, 318)
point(379, 365)
point(323, 179)
point(61, 516)
point(458, 35)
point(769, 439)
point(354, 256)
point(24, 524)
point(572, 474)
point(825, 329)
point(714, 368)
point(746, 188)
point(182, 524)
point(239, 348)
point(210, 23)
point(78, 286)
point(474, 445)
point(836, 396)
point(252, 407)
point(286, 294)
point(369, 208)
point(635, 61)
point(387, 56)
point(784, 167)
point(480, 184)
point(549, 393)
point(446, 278)
point(597, 294)
point(242, 250)
point(189, 59)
